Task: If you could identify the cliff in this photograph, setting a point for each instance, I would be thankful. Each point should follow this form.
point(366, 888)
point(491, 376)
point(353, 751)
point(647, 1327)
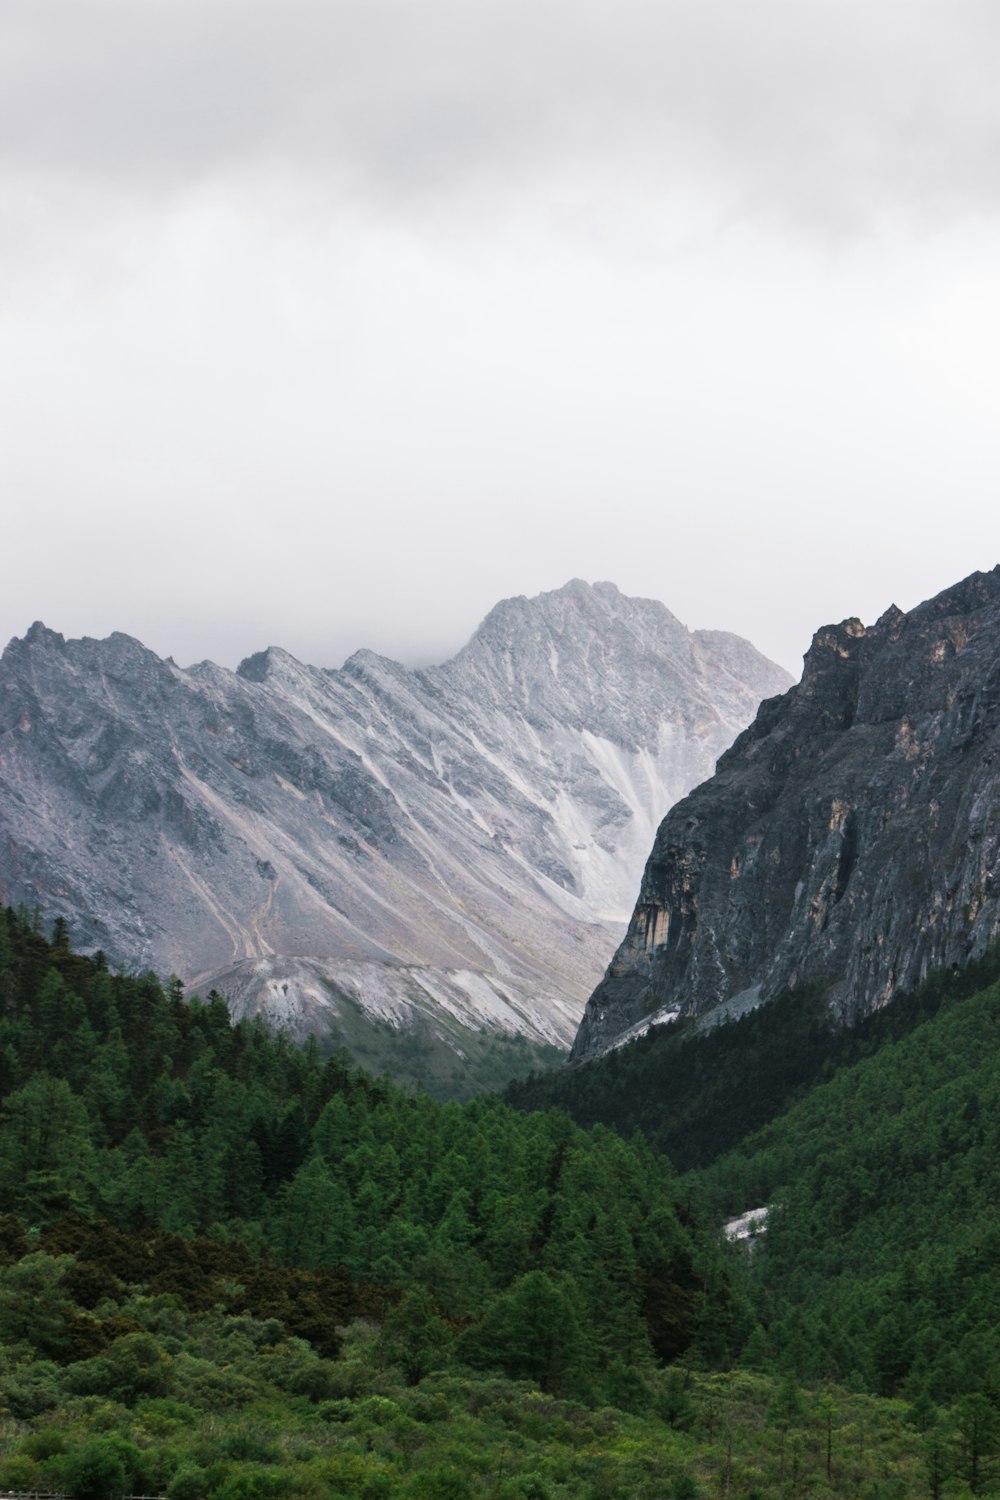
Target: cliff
point(850, 837)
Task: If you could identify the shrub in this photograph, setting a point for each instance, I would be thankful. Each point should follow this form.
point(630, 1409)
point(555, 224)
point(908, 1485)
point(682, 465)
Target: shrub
point(20, 1473)
point(188, 1483)
point(42, 1444)
point(96, 1471)
point(524, 1487)
point(134, 1366)
point(439, 1483)
point(251, 1447)
point(252, 1483)
point(34, 1389)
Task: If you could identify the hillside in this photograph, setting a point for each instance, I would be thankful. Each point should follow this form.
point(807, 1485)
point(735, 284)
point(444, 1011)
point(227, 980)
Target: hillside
point(697, 1091)
point(124, 1101)
point(882, 1241)
point(873, 1148)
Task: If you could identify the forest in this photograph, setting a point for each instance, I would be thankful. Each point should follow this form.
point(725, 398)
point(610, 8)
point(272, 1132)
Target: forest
point(697, 1092)
point(231, 1266)
point(875, 1148)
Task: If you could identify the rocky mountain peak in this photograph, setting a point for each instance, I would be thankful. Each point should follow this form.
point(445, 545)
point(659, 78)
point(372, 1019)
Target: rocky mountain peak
point(39, 635)
point(850, 836)
point(458, 844)
point(890, 620)
point(256, 668)
point(572, 615)
point(371, 664)
point(977, 591)
point(269, 663)
point(608, 661)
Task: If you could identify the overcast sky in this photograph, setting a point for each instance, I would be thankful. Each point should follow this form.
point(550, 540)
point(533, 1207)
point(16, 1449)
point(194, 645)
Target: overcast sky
point(329, 323)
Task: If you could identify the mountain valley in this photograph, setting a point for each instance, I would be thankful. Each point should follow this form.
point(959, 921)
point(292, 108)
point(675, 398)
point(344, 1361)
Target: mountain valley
point(231, 1267)
point(431, 867)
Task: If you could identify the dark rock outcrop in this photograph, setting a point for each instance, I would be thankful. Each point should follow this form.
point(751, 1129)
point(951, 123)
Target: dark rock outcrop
point(850, 836)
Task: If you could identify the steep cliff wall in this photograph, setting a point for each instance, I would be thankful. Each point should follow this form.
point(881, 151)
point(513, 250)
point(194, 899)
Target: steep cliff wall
point(850, 836)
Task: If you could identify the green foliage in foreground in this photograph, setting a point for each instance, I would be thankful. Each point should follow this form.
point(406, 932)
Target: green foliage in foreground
point(212, 1405)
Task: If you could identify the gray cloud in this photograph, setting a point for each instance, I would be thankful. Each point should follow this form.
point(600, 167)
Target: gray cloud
point(827, 113)
point(330, 322)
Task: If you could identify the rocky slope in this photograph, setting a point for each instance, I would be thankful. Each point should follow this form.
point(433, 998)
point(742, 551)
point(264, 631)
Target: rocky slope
point(851, 836)
point(371, 844)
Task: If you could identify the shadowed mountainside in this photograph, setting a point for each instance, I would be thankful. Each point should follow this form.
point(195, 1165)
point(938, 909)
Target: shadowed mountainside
point(850, 837)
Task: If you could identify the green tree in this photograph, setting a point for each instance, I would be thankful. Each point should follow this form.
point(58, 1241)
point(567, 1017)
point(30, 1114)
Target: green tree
point(416, 1338)
point(33, 1303)
point(96, 1471)
point(532, 1332)
point(44, 1146)
point(938, 1462)
point(314, 1220)
point(977, 1430)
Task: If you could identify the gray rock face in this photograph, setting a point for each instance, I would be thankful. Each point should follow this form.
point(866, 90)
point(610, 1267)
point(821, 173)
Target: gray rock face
point(851, 836)
point(459, 843)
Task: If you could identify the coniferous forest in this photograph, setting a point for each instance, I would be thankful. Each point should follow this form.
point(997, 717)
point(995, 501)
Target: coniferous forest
point(231, 1267)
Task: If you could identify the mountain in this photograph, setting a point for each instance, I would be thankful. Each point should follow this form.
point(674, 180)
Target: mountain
point(419, 857)
point(850, 838)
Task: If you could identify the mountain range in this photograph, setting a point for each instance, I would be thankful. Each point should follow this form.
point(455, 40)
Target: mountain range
point(436, 854)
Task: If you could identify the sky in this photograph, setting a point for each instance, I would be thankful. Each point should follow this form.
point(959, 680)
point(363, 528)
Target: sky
point(329, 323)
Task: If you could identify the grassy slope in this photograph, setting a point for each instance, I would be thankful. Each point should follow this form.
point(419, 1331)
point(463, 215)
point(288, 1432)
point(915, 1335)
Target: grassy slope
point(470, 1062)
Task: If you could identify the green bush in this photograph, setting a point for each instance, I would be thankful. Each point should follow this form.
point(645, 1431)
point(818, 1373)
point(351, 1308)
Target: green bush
point(135, 1366)
point(34, 1389)
point(20, 1473)
point(188, 1483)
point(524, 1487)
point(439, 1483)
point(351, 1474)
point(162, 1416)
point(254, 1483)
point(246, 1446)
point(96, 1471)
point(43, 1444)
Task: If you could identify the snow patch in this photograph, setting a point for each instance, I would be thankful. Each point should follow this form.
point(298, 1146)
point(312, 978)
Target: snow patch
point(663, 1017)
point(746, 1226)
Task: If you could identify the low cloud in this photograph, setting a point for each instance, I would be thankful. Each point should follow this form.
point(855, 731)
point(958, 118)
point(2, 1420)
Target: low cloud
point(330, 322)
point(826, 114)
